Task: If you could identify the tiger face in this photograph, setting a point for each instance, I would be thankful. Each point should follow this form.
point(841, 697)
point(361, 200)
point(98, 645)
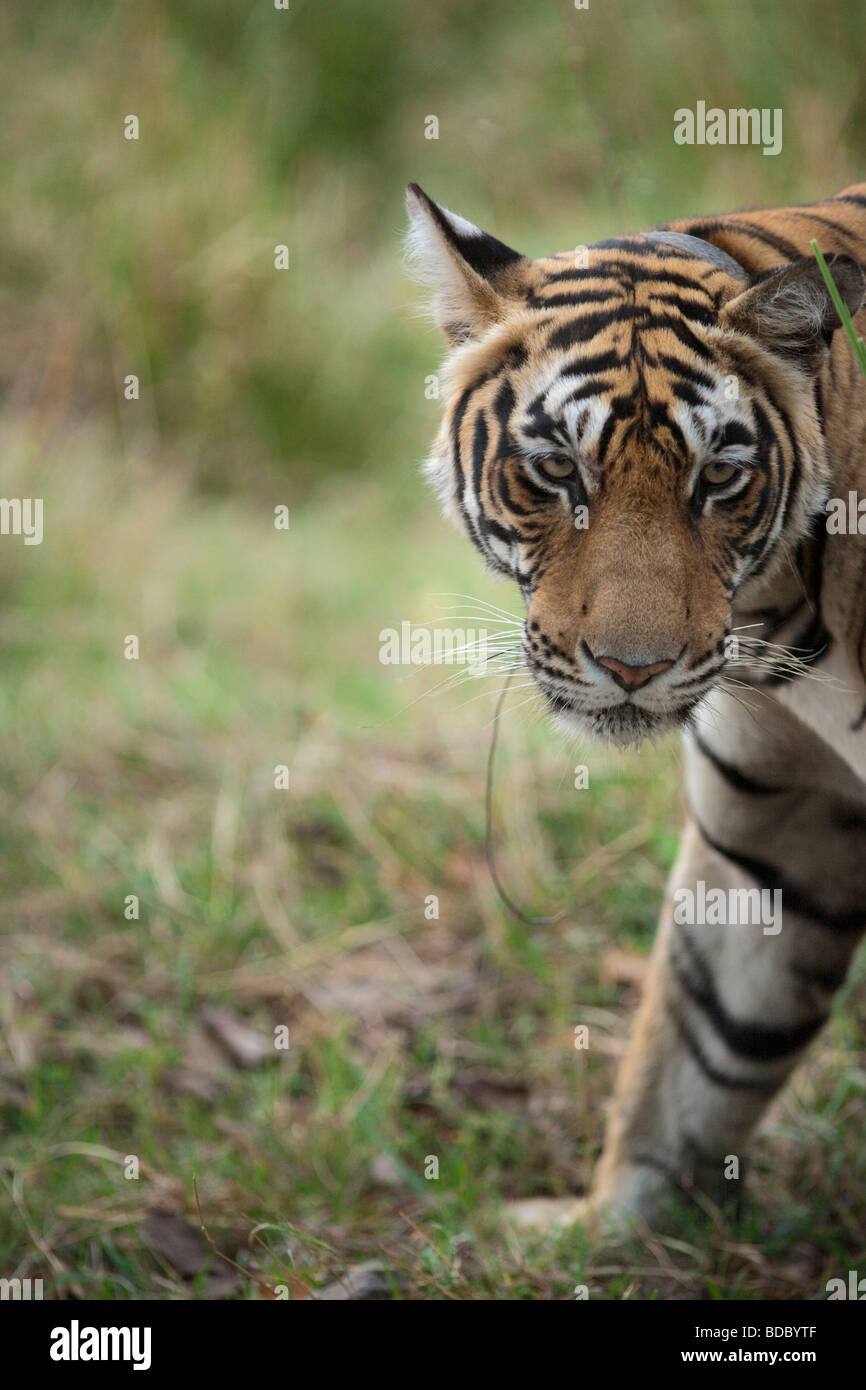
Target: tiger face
point(632, 433)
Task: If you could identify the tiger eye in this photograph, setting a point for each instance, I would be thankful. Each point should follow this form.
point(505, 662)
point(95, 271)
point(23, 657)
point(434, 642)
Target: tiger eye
point(558, 468)
point(716, 474)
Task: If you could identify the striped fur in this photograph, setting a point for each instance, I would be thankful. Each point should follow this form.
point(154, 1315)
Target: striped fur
point(683, 396)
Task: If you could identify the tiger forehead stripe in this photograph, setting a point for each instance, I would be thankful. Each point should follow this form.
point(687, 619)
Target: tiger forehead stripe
point(569, 412)
point(593, 364)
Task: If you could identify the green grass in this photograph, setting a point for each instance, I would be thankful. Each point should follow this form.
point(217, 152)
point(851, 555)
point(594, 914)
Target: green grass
point(842, 310)
point(410, 1037)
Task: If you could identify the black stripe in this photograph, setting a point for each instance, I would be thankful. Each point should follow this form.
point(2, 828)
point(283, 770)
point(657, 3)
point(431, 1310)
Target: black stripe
point(735, 432)
point(763, 234)
point(690, 373)
point(503, 405)
point(770, 452)
point(754, 1041)
point(600, 362)
point(590, 387)
point(507, 498)
point(830, 980)
point(681, 330)
point(732, 775)
point(689, 310)
point(834, 226)
point(574, 301)
point(657, 416)
point(505, 534)
point(811, 642)
point(771, 618)
point(456, 423)
point(683, 390)
point(821, 413)
point(720, 1078)
point(580, 330)
point(795, 899)
point(620, 409)
point(621, 271)
point(479, 453)
point(703, 679)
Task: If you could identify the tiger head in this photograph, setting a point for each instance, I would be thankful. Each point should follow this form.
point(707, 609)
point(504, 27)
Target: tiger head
point(631, 432)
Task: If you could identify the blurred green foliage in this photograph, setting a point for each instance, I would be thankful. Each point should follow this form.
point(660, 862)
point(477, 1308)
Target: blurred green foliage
point(261, 126)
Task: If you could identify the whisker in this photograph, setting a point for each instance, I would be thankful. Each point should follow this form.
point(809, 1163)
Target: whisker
point(512, 709)
point(480, 696)
point(472, 617)
point(494, 608)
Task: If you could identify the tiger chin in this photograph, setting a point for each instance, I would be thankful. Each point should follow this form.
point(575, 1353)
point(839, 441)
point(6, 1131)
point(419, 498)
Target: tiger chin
point(644, 436)
point(625, 725)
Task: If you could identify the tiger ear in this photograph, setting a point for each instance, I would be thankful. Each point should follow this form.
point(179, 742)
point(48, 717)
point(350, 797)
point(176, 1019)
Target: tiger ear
point(472, 275)
point(790, 309)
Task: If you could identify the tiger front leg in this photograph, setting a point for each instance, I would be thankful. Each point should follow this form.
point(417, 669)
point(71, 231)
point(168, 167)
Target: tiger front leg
point(738, 986)
point(746, 961)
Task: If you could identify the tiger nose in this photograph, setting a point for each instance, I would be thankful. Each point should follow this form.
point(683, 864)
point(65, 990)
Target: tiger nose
point(631, 677)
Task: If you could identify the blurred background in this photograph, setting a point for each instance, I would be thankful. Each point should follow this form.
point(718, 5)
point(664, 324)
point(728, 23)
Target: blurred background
point(152, 1037)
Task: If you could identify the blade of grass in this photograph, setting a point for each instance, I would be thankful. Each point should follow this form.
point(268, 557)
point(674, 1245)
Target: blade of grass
point(842, 310)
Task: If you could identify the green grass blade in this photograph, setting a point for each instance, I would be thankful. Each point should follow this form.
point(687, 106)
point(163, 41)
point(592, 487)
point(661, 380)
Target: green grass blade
point(841, 309)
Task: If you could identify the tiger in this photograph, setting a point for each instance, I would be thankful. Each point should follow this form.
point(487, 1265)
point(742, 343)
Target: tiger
point(650, 436)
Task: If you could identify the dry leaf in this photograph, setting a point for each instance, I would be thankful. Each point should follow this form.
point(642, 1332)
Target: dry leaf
point(246, 1046)
point(178, 1243)
point(364, 1282)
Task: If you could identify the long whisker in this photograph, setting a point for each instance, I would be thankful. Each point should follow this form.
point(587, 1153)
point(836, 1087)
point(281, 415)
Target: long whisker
point(504, 612)
point(484, 618)
point(465, 669)
point(484, 693)
point(727, 686)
